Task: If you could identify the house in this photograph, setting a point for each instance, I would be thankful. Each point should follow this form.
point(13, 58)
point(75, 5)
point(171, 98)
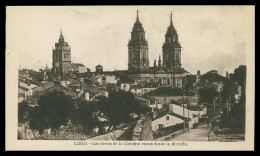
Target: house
point(106, 79)
point(26, 84)
point(85, 91)
point(78, 67)
point(151, 103)
point(197, 110)
point(166, 121)
point(111, 79)
point(165, 95)
point(148, 87)
point(126, 85)
point(32, 101)
point(23, 93)
point(42, 87)
point(184, 112)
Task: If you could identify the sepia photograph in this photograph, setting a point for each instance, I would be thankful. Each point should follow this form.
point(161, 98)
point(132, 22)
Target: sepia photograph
point(141, 77)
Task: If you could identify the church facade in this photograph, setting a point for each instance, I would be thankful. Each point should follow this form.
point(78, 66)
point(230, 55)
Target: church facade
point(61, 57)
point(168, 71)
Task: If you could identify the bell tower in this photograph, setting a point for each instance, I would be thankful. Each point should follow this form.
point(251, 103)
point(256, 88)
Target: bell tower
point(61, 56)
point(138, 49)
point(171, 49)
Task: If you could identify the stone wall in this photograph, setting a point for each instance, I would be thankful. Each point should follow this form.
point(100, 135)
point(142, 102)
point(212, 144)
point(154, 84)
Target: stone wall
point(143, 129)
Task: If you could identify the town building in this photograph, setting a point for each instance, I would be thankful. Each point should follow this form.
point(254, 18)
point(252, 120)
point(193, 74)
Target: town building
point(166, 95)
point(79, 68)
point(61, 57)
point(165, 121)
point(186, 113)
point(99, 69)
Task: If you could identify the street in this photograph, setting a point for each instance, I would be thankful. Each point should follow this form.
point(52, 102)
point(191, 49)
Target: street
point(198, 134)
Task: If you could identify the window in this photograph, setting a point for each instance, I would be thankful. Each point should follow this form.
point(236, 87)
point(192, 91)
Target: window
point(66, 55)
point(167, 117)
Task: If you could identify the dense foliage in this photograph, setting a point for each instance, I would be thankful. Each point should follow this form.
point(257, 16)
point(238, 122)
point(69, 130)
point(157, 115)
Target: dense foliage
point(23, 111)
point(52, 111)
point(119, 105)
point(207, 95)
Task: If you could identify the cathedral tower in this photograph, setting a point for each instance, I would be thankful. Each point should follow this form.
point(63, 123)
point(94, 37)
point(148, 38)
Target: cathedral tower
point(171, 50)
point(138, 49)
point(61, 57)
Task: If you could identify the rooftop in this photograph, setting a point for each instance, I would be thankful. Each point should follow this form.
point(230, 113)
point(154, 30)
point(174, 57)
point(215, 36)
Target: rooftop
point(77, 64)
point(168, 91)
point(179, 116)
point(212, 76)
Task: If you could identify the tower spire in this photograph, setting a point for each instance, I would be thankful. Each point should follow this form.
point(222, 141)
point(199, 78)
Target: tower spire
point(159, 62)
point(171, 17)
point(60, 32)
point(61, 36)
point(137, 18)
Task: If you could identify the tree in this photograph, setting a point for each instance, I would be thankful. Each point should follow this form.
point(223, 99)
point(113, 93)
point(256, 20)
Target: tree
point(207, 95)
point(52, 111)
point(239, 75)
point(119, 105)
point(23, 111)
point(239, 110)
point(84, 115)
point(228, 90)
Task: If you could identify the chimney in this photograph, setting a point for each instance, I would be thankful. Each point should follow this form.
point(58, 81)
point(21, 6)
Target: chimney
point(198, 76)
point(227, 75)
point(87, 96)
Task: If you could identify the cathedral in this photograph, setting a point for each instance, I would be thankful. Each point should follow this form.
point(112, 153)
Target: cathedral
point(61, 57)
point(168, 71)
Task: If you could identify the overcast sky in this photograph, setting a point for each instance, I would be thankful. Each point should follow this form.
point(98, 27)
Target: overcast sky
point(212, 37)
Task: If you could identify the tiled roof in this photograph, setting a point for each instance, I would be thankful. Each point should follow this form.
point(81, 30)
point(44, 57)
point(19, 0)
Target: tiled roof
point(57, 86)
point(150, 85)
point(135, 87)
point(77, 64)
point(168, 91)
point(148, 98)
point(179, 116)
point(23, 88)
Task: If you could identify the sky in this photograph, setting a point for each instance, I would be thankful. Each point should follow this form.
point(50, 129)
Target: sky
point(212, 37)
